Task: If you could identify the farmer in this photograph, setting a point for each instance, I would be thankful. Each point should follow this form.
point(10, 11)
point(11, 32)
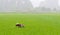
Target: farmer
point(19, 25)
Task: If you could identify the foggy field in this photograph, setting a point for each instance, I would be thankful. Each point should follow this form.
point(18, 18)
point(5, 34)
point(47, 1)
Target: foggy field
point(35, 24)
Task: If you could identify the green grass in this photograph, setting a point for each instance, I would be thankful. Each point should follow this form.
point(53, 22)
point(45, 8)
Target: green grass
point(35, 24)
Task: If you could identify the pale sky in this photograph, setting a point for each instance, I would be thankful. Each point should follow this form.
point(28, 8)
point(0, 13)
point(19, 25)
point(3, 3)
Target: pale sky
point(37, 2)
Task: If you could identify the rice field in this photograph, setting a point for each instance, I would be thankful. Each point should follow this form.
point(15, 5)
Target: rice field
point(35, 24)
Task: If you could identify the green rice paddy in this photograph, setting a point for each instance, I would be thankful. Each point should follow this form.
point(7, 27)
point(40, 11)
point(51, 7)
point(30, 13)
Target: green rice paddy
point(35, 24)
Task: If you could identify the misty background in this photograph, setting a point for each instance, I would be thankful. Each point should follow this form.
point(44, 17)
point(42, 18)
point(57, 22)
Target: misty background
point(29, 5)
